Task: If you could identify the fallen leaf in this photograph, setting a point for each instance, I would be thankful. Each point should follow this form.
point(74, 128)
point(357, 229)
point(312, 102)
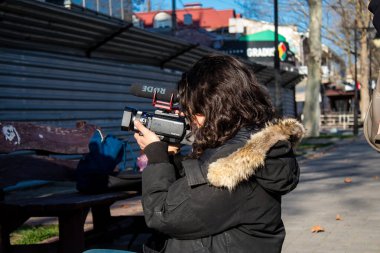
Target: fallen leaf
point(338, 217)
point(376, 177)
point(348, 180)
point(317, 229)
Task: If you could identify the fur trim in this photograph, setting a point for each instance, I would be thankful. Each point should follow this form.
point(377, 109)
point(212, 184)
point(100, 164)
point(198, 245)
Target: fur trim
point(239, 166)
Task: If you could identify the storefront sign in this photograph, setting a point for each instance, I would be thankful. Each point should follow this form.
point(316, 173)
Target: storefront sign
point(258, 51)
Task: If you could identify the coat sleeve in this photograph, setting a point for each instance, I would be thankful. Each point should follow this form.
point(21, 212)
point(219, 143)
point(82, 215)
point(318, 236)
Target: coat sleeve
point(281, 172)
point(184, 211)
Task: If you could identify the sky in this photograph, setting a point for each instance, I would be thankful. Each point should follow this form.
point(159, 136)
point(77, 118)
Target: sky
point(217, 4)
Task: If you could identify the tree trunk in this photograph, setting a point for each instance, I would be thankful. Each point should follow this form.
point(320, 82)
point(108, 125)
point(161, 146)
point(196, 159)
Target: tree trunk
point(311, 109)
point(364, 73)
point(363, 19)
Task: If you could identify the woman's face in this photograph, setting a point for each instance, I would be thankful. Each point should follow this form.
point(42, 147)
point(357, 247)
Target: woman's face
point(198, 120)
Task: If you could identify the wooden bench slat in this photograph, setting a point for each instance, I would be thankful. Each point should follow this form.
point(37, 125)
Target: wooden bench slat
point(55, 205)
point(27, 136)
point(16, 168)
point(70, 200)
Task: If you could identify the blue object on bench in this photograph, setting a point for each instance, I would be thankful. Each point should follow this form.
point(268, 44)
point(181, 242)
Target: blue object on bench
point(107, 251)
point(26, 184)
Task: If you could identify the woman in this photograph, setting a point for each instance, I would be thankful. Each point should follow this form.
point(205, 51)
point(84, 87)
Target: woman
point(228, 198)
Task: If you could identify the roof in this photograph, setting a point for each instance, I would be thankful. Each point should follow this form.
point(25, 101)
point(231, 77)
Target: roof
point(36, 25)
point(196, 35)
point(339, 93)
point(207, 18)
point(266, 35)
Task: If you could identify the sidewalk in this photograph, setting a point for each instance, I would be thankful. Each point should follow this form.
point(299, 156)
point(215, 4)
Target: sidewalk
point(322, 194)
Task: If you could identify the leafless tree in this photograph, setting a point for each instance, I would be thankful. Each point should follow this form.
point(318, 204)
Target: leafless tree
point(363, 19)
point(353, 17)
point(311, 109)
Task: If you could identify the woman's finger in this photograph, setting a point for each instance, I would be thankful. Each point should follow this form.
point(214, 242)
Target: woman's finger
point(144, 137)
point(139, 140)
point(141, 127)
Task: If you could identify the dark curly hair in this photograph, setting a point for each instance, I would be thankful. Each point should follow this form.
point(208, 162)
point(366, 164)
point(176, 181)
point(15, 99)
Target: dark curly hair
point(226, 92)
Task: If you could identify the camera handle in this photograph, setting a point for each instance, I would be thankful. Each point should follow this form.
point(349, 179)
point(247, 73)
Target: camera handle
point(162, 104)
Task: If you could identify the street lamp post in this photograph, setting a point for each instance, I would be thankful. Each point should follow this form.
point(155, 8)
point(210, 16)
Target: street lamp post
point(277, 83)
point(370, 67)
point(174, 17)
point(356, 102)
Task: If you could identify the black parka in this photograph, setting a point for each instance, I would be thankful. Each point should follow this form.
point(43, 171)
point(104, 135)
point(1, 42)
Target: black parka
point(228, 200)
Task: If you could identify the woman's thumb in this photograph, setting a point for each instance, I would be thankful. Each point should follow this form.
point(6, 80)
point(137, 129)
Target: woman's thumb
point(140, 126)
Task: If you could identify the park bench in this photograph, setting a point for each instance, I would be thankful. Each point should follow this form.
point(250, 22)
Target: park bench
point(40, 153)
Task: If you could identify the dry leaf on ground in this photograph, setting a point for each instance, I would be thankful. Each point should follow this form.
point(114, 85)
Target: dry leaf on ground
point(317, 229)
point(338, 217)
point(376, 177)
point(348, 180)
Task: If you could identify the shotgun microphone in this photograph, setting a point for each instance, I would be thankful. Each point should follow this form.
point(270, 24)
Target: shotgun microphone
point(147, 91)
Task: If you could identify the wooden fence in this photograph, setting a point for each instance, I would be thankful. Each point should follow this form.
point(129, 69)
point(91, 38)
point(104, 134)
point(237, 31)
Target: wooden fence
point(340, 121)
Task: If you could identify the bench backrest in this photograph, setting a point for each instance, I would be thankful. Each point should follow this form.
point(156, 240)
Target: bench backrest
point(45, 141)
point(27, 136)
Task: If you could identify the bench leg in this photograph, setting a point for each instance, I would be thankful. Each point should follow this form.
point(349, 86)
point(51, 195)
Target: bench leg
point(8, 224)
point(4, 240)
point(101, 216)
point(71, 231)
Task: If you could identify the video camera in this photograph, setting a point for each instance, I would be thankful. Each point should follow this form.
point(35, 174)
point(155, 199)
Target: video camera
point(168, 126)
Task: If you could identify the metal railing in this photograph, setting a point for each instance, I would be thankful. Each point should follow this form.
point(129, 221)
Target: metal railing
point(113, 8)
point(340, 121)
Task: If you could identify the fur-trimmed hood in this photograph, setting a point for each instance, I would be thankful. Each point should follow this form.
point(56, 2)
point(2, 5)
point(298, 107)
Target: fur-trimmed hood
point(243, 163)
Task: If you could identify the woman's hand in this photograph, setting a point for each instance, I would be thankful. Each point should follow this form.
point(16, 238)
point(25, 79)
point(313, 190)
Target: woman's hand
point(144, 137)
point(174, 149)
